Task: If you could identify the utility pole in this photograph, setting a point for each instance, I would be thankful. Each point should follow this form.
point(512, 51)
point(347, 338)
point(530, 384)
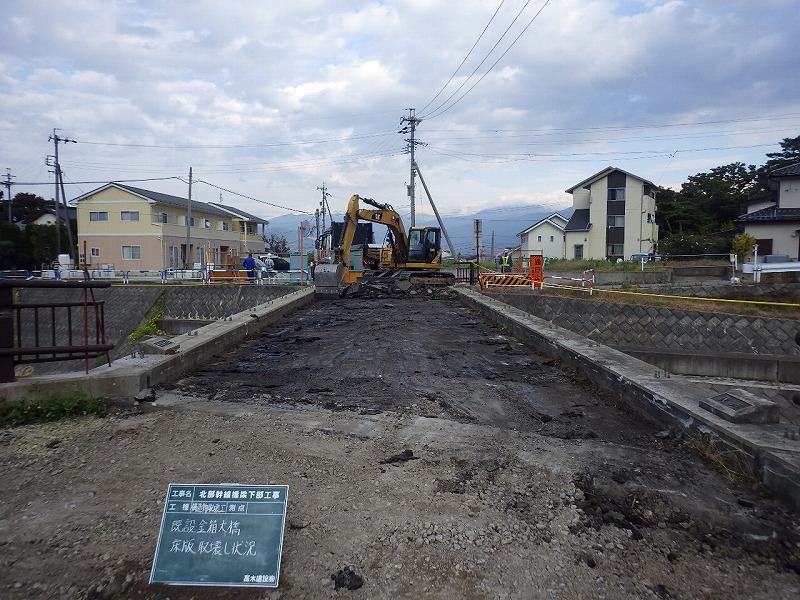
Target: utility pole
point(325, 195)
point(7, 183)
point(186, 257)
point(59, 182)
point(411, 128)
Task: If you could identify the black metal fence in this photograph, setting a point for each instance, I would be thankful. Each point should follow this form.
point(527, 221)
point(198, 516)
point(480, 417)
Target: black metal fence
point(50, 331)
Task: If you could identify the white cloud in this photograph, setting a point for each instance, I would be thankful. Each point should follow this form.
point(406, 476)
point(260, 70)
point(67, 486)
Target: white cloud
point(272, 99)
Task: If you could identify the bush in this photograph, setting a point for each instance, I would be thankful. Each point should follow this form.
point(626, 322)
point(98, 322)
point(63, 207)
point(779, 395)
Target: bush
point(52, 407)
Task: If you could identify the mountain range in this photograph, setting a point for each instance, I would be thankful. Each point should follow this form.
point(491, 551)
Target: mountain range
point(500, 227)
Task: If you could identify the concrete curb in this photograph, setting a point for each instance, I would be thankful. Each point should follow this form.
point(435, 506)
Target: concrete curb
point(129, 375)
point(669, 402)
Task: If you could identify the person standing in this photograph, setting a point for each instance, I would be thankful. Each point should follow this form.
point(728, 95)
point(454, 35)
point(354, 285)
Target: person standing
point(249, 264)
point(505, 262)
point(56, 266)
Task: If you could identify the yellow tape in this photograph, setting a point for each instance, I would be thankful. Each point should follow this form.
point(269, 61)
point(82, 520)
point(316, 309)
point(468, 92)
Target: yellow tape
point(584, 289)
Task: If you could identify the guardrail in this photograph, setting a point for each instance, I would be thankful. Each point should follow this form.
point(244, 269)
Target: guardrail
point(49, 331)
point(127, 276)
point(779, 267)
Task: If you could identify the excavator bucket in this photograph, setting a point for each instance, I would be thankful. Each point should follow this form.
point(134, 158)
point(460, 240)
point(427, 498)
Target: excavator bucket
point(328, 280)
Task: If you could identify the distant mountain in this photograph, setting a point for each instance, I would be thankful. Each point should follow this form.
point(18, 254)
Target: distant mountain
point(500, 227)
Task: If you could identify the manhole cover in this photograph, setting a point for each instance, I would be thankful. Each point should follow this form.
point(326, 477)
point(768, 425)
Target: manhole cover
point(731, 402)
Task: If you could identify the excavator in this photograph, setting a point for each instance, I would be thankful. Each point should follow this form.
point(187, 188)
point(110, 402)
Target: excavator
point(405, 260)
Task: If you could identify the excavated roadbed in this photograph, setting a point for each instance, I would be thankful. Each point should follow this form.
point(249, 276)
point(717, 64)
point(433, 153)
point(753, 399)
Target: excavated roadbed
point(428, 454)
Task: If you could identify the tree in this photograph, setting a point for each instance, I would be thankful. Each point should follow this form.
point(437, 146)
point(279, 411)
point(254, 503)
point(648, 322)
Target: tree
point(276, 244)
point(742, 245)
point(15, 250)
point(25, 205)
point(789, 155)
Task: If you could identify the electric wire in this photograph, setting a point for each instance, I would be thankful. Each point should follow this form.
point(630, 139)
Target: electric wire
point(458, 68)
point(440, 111)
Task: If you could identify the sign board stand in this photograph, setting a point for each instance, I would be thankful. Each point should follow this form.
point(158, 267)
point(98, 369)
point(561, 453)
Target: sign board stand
point(221, 535)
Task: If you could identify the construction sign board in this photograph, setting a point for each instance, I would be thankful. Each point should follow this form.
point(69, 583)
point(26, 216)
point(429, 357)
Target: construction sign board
point(221, 535)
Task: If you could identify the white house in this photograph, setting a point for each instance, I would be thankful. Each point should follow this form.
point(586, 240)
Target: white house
point(545, 237)
point(776, 224)
point(614, 216)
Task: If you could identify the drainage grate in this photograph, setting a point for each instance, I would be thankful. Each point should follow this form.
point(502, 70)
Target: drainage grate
point(731, 402)
point(162, 343)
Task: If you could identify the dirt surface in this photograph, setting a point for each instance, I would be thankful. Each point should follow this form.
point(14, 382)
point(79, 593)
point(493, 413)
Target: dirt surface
point(427, 454)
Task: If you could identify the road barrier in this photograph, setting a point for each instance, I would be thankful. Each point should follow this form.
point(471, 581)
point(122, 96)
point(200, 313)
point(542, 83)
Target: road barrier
point(586, 282)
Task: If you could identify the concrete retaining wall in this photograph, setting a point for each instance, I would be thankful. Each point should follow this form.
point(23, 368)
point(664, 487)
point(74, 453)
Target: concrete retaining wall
point(651, 328)
point(126, 307)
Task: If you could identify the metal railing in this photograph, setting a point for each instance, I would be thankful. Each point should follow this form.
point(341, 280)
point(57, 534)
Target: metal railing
point(50, 331)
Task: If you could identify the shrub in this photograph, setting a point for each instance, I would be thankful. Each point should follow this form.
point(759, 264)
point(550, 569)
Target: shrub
point(51, 407)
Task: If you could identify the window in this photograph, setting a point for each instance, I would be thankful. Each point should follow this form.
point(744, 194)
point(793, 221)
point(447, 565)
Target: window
point(615, 221)
point(616, 194)
point(578, 251)
point(206, 224)
point(539, 238)
point(225, 226)
point(131, 253)
point(552, 238)
point(95, 251)
point(129, 215)
point(98, 216)
point(764, 246)
point(161, 218)
point(615, 251)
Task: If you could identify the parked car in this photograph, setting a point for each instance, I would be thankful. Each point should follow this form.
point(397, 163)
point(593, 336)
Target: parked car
point(278, 263)
point(643, 256)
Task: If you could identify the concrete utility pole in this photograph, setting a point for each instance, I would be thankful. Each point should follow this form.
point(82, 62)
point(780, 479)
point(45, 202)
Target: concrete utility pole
point(411, 129)
point(8, 184)
point(186, 257)
point(322, 203)
point(60, 182)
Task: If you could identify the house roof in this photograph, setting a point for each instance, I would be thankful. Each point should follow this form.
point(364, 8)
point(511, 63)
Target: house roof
point(239, 214)
point(555, 219)
point(770, 215)
point(158, 198)
point(787, 171)
point(39, 214)
point(599, 175)
point(579, 221)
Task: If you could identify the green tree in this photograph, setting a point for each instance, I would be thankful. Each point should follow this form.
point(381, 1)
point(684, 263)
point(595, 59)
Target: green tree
point(720, 195)
point(14, 248)
point(24, 205)
point(789, 154)
point(276, 244)
point(742, 245)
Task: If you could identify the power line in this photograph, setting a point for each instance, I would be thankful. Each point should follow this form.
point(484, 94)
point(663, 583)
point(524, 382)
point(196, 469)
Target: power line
point(305, 212)
point(465, 58)
point(441, 110)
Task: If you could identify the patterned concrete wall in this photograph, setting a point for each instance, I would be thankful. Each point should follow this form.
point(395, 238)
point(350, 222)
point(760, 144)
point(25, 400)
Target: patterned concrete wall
point(125, 307)
point(648, 327)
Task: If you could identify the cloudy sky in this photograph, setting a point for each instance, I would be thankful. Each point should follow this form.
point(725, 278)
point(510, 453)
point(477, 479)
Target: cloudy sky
point(267, 101)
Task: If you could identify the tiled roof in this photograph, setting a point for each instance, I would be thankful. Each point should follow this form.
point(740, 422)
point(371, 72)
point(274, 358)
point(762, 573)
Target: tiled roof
point(788, 171)
point(169, 200)
point(555, 219)
point(600, 174)
point(238, 213)
point(771, 214)
point(579, 221)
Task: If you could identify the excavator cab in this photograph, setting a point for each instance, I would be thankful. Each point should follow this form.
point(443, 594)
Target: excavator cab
point(424, 245)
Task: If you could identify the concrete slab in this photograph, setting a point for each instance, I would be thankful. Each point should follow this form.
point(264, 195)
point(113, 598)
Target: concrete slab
point(671, 402)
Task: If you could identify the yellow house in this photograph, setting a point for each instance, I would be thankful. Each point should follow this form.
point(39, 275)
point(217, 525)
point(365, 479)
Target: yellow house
point(128, 228)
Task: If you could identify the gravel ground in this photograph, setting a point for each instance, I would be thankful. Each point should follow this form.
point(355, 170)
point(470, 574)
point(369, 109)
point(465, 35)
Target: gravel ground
point(427, 454)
